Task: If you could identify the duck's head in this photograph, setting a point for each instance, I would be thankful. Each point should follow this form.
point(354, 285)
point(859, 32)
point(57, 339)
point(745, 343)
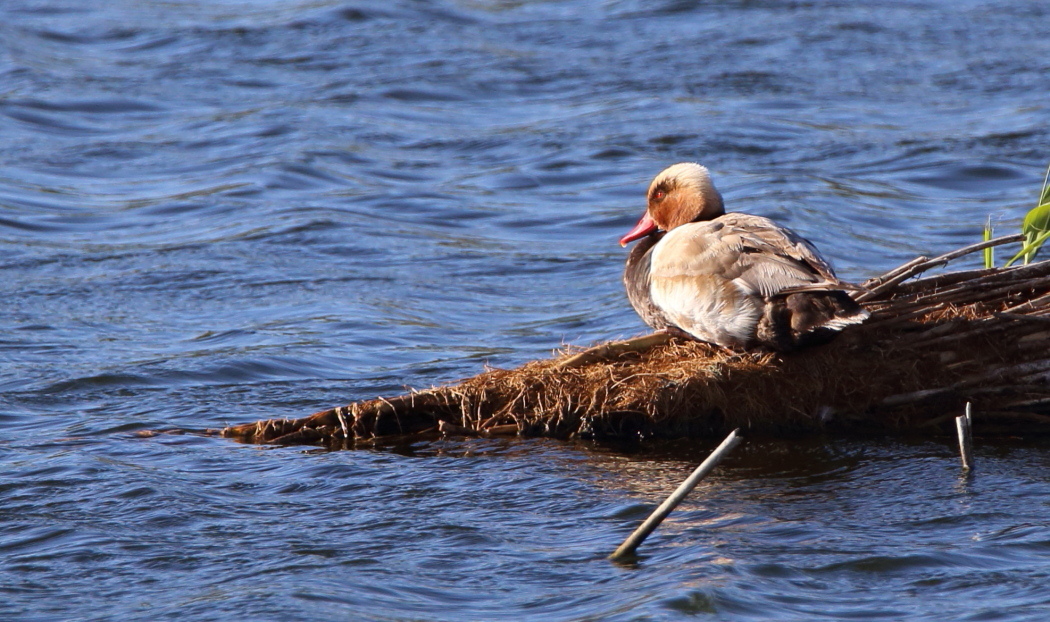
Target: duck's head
point(680, 194)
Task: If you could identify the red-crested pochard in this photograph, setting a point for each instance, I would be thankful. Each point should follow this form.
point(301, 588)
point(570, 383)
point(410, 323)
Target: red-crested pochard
point(735, 280)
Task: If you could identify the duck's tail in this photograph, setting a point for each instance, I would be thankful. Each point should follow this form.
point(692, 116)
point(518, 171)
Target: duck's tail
point(803, 319)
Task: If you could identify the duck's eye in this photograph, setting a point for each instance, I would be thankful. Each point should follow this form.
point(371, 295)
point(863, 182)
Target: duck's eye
point(659, 195)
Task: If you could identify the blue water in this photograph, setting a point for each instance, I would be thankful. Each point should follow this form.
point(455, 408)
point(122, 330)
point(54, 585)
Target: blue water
point(217, 212)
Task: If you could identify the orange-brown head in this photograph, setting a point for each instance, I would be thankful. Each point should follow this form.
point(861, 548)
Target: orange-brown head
point(680, 194)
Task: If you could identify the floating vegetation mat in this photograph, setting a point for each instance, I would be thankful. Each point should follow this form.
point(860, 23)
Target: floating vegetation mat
point(931, 345)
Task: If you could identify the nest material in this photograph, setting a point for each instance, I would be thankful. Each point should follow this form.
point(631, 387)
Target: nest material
point(931, 345)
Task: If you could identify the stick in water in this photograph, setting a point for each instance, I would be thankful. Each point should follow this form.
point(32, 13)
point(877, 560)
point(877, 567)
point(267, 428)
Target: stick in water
point(635, 539)
point(963, 425)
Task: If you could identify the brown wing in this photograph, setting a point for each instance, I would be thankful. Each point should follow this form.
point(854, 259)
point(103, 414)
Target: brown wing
point(750, 251)
point(764, 236)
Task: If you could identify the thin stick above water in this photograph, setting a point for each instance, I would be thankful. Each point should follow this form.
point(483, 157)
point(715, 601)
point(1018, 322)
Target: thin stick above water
point(963, 425)
point(635, 539)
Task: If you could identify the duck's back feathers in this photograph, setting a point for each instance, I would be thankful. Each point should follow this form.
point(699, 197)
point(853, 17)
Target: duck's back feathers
point(764, 258)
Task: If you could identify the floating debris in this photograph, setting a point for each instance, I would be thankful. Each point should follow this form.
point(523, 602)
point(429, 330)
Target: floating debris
point(931, 345)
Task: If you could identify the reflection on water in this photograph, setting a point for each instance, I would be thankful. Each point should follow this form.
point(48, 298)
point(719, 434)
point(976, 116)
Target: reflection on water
point(220, 212)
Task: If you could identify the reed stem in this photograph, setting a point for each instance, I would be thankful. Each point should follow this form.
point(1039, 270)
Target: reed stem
point(631, 544)
point(963, 425)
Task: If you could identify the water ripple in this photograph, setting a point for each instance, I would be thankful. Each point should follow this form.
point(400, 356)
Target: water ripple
point(219, 212)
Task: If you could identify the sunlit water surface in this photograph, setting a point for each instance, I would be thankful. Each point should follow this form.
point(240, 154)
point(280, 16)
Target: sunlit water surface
point(215, 212)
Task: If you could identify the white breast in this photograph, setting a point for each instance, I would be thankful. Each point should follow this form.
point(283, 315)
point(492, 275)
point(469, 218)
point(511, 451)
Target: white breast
point(692, 285)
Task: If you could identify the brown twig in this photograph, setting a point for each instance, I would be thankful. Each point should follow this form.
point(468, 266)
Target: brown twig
point(912, 268)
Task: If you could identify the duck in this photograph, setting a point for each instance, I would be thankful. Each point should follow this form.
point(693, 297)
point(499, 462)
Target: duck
point(731, 279)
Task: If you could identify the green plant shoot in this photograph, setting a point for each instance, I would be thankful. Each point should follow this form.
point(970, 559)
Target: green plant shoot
point(1036, 225)
point(989, 253)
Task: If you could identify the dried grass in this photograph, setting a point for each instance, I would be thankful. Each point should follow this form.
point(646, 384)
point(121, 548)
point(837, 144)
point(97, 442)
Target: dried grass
point(930, 346)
